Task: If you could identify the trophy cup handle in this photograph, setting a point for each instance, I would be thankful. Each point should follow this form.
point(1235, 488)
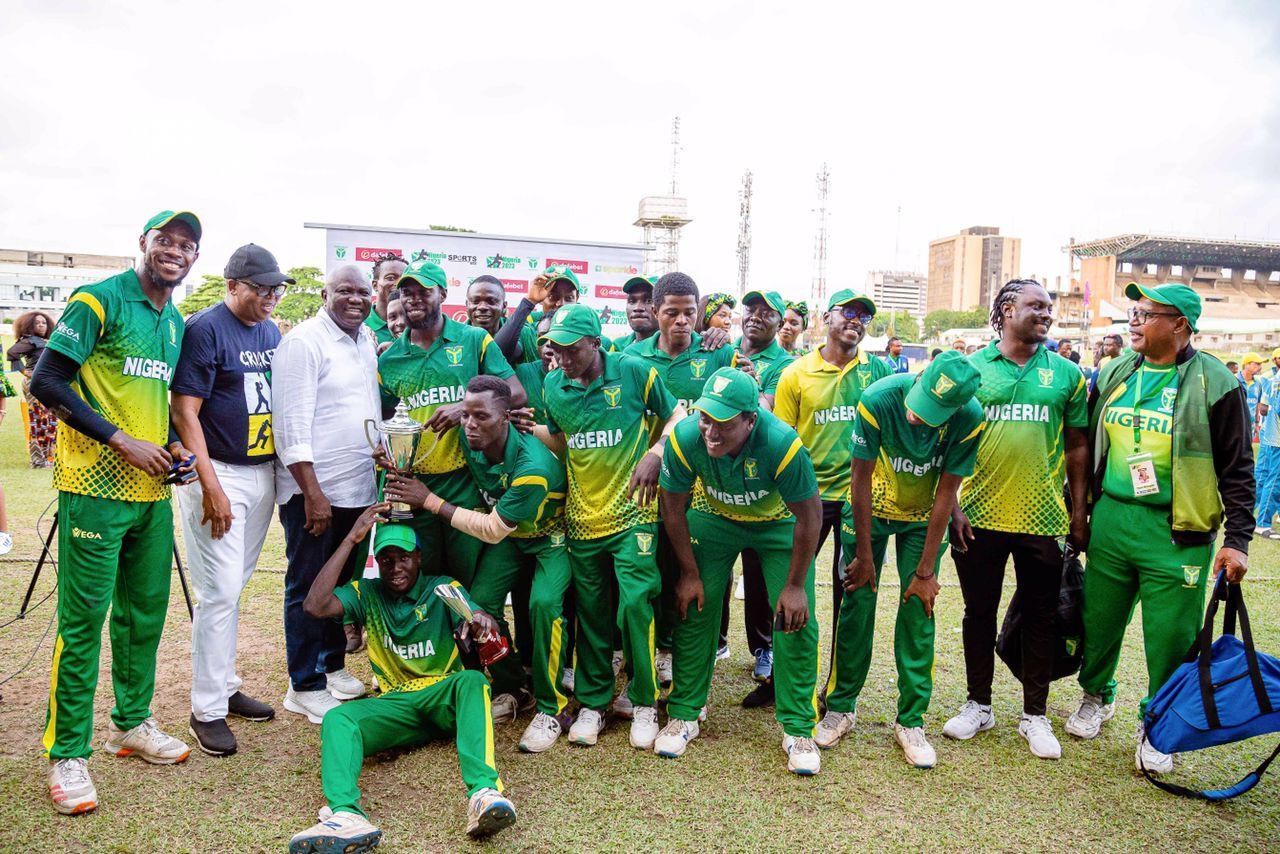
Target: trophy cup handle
point(368, 437)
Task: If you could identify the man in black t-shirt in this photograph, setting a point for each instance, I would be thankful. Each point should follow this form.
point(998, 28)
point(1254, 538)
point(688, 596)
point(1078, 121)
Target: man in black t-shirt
point(221, 408)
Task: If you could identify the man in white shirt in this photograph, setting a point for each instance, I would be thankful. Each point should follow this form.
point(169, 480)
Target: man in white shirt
point(324, 387)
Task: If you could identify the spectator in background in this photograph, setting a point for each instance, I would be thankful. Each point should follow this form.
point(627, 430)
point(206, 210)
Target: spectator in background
point(893, 357)
point(1068, 351)
point(795, 320)
point(1234, 368)
point(1111, 346)
point(31, 332)
point(1267, 471)
point(1254, 385)
point(715, 311)
point(959, 344)
point(387, 271)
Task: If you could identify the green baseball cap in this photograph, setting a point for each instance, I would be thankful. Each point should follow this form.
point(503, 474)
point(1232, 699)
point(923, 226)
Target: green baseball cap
point(395, 535)
point(1181, 297)
point(572, 322)
point(773, 299)
point(845, 296)
point(427, 274)
point(558, 273)
point(948, 383)
point(634, 282)
point(728, 392)
point(163, 218)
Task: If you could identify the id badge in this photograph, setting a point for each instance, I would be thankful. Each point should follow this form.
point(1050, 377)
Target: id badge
point(1142, 471)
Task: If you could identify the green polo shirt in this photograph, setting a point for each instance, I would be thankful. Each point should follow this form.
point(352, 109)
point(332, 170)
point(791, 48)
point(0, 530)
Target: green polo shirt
point(434, 377)
point(1021, 466)
point(820, 401)
point(532, 375)
point(527, 486)
point(607, 431)
point(772, 468)
point(411, 641)
point(127, 351)
point(910, 457)
point(686, 373)
point(381, 332)
point(621, 343)
point(1155, 389)
point(769, 364)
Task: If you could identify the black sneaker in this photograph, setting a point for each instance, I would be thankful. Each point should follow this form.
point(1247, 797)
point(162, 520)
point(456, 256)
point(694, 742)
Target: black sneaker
point(761, 696)
point(214, 737)
point(243, 706)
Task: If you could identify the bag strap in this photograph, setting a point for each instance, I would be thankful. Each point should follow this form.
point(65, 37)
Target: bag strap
point(1203, 650)
point(1235, 603)
point(1245, 784)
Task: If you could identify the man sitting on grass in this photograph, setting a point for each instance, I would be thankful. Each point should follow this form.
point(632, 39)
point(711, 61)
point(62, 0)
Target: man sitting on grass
point(426, 694)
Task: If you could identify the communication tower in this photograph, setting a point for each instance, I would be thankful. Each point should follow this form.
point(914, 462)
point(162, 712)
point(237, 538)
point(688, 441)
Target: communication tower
point(819, 289)
point(744, 234)
point(662, 217)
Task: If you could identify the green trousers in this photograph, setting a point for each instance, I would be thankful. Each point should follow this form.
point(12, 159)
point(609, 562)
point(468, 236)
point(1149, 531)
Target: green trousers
point(855, 624)
point(1131, 560)
point(717, 542)
point(502, 565)
point(444, 546)
point(116, 554)
point(457, 704)
point(631, 556)
point(665, 614)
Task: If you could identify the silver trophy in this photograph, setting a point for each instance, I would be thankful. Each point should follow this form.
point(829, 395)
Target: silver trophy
point(489, 648)
point(398, 437)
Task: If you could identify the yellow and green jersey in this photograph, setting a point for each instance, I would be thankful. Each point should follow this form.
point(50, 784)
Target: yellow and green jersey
point(127, 351)
point(1138, 418)
point(527, 486)
point(769, 364)
point(772, 468)
point(820, 402)
point(427, 379)
point(686, 373)
point(910, 457)
point(532, 375)
point(1021, 467)
point(411, 641)
point(607, 432)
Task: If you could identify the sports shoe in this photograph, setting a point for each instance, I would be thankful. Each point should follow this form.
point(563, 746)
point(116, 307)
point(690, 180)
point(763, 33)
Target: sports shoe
point(622, 706)
point(723, 652)
point(1087, 721)
point(241, 705)
point(487, 813)
point(833, 727)
point(566, 680)
point(802, 756)
point(618, 661)
point(764, 665)
point(507, 707)
point(972, 719)
point(355, 638)
point(343, 831)
point(1273, 535)
point(1146, 756)
point(644, 727)
point(6, 543)
point(146, 740)
point(1262, 531)
point(587, 728)
point(343, 686)
point(918, 750)
point(1038, 732)
point(662, 664)
point(761, 695)
point(313, 704)
point(213, 737)
point(70, 788)
point(541, 734)
point(675, 737)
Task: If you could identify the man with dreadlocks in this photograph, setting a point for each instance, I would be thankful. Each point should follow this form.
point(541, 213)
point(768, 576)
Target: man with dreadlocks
point(1036, 404)
point(387, 271)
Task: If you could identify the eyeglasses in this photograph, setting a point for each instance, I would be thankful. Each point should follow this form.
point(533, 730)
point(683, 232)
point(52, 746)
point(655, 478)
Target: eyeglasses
point(264, 291)
point(853, 311)
point(1142, 317)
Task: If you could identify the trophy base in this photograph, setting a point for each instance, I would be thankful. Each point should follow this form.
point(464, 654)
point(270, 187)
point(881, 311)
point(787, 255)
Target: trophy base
point(399, 512)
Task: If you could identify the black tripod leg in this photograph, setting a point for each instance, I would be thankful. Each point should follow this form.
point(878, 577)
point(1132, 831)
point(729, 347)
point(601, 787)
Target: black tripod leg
point(182, 576)
point(35, 576)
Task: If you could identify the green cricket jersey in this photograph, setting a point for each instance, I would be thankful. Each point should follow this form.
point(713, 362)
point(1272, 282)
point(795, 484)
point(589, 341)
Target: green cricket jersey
point(772, 468)
point(381, 331)
point(411, 641)
point(127, 351)
point(910, 457)
point(769, 364)
point(820, 401)
point(435, 377)
point(1021, 466)
point(1155, 388)
point(685, 374)
point(527, 486)
point(607, 432)
point(621, 344)
point(532, 375)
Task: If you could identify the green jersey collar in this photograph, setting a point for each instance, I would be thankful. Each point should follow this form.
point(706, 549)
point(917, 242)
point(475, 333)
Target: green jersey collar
point(648, 348)
point(612, 371)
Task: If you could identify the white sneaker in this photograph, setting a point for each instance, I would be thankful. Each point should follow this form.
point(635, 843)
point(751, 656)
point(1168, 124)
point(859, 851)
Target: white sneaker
point(6, 543)
point(918, 750)
point(644, 727)
point(1147, 756)
point(1038, 732)
point(147, 741)
point(1262, 531)
point(541, 734)
point(662, 664)
point(802, 756)
point(337, 831)
point(833, 727)
point(1087, 721)
point(972, 719)
point(566, 680)
point(313, 704)
point(587, 728)
point(675, 737)
point(507, 707)
point(723, 653)
point(488, 812)
point(70, 788)
point(343, 686)
point(622, 706)
point(618, 660)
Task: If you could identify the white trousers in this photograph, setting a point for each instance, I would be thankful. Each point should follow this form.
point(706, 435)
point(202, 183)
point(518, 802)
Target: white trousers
point(219, 571)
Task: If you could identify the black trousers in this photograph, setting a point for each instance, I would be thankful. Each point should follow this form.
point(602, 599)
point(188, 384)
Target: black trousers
point(1037, 566)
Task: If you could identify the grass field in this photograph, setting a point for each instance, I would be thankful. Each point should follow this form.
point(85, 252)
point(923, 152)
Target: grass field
point(729, 792)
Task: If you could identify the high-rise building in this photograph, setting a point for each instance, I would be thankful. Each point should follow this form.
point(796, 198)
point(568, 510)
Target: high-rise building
point(31, 279)
point(893, 290)
point(967, 269)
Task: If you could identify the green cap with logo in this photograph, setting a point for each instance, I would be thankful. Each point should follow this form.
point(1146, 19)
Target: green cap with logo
point(401, 536)
point(163, 218)
point(427, 274)
point(947, 384)
point(572, 322)
point(557, 274)
point(773, 299)
point(846, 296)
point(634, 282)
point(1175, 295)
point(728, 393)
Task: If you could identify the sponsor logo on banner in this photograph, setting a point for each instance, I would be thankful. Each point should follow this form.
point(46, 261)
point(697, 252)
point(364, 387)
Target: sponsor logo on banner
point(365, 253)
point(578, 267)
point(617, 268)
point(498, 261)
point(457, 312)
point(610, 292)
point(436, 258)
point(515, 286)
point(340, 252)
point(462, 259)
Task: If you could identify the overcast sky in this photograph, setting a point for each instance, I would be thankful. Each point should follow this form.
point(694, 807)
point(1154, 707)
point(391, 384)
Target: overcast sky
point(1083, 119)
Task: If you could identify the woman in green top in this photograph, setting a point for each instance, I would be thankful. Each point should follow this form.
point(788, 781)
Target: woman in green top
point(795, 320)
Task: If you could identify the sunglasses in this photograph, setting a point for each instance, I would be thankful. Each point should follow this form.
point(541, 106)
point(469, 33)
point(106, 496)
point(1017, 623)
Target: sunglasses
point(853, 311)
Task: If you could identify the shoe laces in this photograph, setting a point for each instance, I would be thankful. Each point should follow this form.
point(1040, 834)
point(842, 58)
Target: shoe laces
point(675, 727)
point(1090, 706)
point(1038, 725)
point(803, 745)
point(646, 715)
point(73, 771)
point(589, 716)
point(543, 721)
point(833, 720)
point(915, 736)
point(971, 711)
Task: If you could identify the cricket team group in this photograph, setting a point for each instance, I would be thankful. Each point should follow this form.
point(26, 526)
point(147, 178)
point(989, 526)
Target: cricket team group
point(609, 488)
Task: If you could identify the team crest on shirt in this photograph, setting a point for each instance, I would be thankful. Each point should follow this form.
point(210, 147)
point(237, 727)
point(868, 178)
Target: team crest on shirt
point(698, 366)
point(612, 394)
point(454, 355)
point(1167, 397)
point(417, 612)
point(943, 385)
point(1190, 575)
point(1046, 377)
point(750, 468)
point(644, 542)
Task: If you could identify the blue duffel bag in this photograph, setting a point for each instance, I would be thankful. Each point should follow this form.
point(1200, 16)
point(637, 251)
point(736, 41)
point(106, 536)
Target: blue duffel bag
point(1224, 692)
